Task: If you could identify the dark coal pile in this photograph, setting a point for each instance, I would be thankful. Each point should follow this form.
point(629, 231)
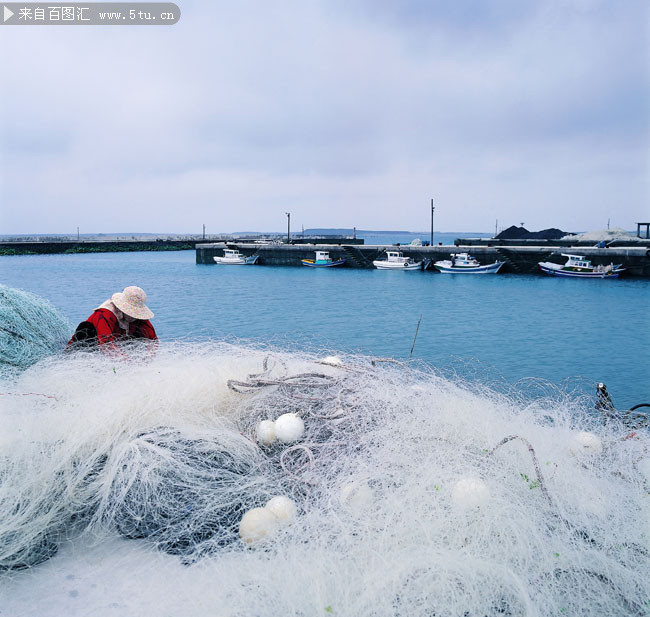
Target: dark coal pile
point(521, 233)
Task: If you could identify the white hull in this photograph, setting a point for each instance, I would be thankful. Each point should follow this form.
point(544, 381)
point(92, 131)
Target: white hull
point(554, 269)
point(447, 268)
point(224, 261)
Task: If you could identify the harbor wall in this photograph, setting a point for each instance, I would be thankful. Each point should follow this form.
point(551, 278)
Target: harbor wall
point(518, 259)
point(93, 246)
point(53, 246)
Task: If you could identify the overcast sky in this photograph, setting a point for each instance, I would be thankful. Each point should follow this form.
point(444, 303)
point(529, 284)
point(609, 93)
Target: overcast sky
point(344, 113)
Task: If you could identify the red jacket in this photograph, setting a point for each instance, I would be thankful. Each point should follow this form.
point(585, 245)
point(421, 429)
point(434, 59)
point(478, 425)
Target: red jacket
point(109, 331)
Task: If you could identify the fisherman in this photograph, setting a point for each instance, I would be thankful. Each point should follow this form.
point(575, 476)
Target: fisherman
point(124, 316)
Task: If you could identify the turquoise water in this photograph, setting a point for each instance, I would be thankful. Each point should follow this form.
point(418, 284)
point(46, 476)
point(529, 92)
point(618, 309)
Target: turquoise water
point(502, 328)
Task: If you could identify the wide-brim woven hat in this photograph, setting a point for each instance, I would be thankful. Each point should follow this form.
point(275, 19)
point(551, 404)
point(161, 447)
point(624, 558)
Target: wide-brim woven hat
point(132, 302)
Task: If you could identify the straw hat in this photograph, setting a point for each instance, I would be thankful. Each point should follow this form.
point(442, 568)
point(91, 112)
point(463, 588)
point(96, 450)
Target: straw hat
point(132, 302)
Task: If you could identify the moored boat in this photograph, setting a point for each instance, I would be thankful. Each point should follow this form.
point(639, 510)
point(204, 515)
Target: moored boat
point(232, 257)
point(395, 260)
point(579, 267)
point(464, 263)
point(323, 260)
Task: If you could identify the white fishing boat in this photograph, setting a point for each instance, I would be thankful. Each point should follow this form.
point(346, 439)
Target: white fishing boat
point(579, 267)
point(395, 260)
point(233, 257)
point(464, 263)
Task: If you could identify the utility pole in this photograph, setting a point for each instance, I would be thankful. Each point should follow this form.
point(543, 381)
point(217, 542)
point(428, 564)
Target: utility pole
point(204, 231)
point(288, 227)
point(432, 210)
point(496, 228)
point(77, 234)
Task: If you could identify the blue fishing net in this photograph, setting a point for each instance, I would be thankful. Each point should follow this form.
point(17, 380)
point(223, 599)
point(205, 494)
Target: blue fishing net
point(30, 329)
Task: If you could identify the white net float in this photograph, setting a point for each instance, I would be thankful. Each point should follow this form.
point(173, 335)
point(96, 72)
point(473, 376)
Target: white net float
point(256, 525)
point(584, 442)
point(289, 428)
point(266, 432)
point(469, 494)
point(283, 508)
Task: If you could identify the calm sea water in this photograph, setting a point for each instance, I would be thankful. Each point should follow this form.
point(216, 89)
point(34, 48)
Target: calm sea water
point(503, 327)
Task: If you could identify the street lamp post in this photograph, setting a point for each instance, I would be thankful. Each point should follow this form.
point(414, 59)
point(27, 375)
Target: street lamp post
point(432, 210)
point(288, 227)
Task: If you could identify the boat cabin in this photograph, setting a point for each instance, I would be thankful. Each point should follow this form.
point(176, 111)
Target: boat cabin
point(231, 253)
point(576, 261)
point(463, 259)
point(322, 256)
point(395, 256)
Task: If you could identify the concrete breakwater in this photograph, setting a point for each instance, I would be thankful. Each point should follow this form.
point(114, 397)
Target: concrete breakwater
point(518, 259)
point(51, 246)
point(93, 246)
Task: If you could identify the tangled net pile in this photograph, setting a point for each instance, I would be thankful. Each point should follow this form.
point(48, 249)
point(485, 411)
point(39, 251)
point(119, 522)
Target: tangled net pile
point(416, 495)
point(30, 329)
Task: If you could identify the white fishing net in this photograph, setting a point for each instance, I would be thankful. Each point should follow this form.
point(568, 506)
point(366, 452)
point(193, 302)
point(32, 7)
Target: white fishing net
point(30, 329)
point(415, 495)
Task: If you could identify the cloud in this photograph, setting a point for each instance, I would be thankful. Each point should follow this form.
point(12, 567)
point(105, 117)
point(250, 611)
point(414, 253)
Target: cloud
point(349, 113)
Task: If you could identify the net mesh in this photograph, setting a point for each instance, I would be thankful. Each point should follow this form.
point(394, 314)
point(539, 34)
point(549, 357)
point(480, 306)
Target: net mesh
point(30, 329)
point(416, 494)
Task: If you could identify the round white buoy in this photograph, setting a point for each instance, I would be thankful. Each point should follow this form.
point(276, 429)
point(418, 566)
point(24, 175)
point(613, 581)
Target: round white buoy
point(266, 432)
point(469, 493)
point(585, 443)
point(332, 361)
point(289, 427)
point(256, 525)
point(283, 508)
point(356, 496)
